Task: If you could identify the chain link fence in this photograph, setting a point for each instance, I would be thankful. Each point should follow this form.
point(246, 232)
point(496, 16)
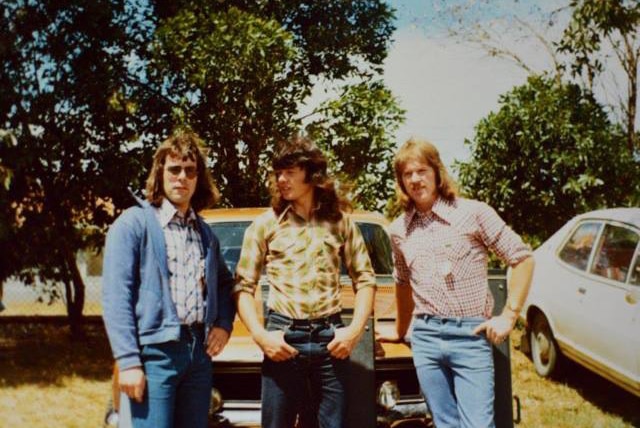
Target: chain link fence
point(20, 299)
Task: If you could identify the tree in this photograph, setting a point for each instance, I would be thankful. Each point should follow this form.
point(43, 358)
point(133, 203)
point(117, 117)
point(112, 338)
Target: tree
point(588, 38)
point(596, 25)
point(237, 72)
point(357, 130)
point(62, 65)
point(548, 154)
point(89, 88)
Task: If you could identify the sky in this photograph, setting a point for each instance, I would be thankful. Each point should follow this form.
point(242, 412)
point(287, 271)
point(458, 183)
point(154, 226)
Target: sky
point(446, 87)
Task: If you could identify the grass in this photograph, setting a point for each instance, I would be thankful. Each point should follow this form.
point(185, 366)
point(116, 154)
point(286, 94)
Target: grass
point(48, 380)
point(575, 398)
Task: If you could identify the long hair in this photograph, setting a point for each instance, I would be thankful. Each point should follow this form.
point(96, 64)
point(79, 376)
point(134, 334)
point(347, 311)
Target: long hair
point(184, 145)
point(301, 151)
point(422, 150)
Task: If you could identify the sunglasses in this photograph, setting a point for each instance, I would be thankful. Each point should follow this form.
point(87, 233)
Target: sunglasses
point(190, 171)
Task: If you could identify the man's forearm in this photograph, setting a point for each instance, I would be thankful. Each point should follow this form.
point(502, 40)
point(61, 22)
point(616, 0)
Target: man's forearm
point(246, 305)
point(363, 306)
point(404, 309)
point(519, 285)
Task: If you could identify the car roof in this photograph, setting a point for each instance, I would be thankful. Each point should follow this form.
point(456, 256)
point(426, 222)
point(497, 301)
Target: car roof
point(623, 215)
point(249, 214)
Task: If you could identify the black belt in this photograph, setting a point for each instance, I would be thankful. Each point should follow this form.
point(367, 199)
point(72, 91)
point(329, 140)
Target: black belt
point(193, 328)
point(307, 322)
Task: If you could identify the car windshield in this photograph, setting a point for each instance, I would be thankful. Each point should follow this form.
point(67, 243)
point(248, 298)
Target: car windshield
point(230, 235)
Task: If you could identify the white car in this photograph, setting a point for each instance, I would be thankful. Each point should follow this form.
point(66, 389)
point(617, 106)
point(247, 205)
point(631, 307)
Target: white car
point(584, 301)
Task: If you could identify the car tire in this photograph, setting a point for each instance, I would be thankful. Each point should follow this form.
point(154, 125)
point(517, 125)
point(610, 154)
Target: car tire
point(544, 348)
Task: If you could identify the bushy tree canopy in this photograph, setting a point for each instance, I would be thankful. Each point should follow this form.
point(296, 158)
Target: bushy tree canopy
point(546, 155)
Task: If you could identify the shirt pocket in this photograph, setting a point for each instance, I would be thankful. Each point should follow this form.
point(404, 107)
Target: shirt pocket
point(282, 244)
point(463, 257)
point(458, 248)
point(329, 252)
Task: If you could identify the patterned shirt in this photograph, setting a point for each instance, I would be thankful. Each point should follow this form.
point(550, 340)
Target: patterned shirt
point(443, 256)
point(302, 262)
point(185, 257)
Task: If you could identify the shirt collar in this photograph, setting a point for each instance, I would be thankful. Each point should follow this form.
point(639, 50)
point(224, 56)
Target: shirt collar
point(167, 212)
point(441, 208)
point(290, 211)
point(283, 214)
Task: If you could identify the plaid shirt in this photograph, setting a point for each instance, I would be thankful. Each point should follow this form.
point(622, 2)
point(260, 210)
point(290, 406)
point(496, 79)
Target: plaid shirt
point(443, 256)
point(185, 257)
point(302, 262)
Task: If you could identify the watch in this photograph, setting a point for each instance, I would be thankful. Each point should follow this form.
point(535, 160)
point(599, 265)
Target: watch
point(512, 308)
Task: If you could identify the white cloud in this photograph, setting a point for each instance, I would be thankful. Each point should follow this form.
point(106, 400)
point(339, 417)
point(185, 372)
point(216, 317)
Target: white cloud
point(446, 89)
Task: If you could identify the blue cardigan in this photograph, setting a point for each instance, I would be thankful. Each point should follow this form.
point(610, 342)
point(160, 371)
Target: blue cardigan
point(136, 299)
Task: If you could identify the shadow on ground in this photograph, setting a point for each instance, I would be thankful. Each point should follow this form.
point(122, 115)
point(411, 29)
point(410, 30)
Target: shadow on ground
point(43, 354)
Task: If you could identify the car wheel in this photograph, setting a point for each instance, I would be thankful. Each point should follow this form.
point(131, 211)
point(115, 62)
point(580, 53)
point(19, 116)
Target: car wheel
point(544, 349)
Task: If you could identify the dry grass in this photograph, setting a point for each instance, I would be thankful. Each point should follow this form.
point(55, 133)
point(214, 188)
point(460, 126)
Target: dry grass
point(576, 398)
point(46, 380)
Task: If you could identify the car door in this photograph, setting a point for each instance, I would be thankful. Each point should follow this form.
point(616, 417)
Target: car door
point(609, 333)
point(633, 298)
point(564, 305)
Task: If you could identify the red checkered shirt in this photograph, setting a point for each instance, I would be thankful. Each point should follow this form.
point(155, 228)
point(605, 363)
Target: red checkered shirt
point(443, 256)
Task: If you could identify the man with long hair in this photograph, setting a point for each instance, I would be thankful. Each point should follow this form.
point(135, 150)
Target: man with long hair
point(167, 303)
point(301, 240)
point(440, 246)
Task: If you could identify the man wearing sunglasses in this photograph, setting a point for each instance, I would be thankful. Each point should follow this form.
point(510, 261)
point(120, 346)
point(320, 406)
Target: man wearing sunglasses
point(167, 305)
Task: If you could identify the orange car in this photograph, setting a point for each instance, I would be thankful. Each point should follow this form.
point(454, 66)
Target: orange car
point(383, 374)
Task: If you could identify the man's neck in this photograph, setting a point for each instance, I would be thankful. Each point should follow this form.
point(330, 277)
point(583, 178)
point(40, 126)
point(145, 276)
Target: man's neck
point(426, 208)
point(182, 209)
point(303, 207)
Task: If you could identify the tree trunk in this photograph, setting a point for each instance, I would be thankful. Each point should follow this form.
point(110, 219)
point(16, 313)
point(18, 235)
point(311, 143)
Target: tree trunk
point(75, 294)
point(629, 59)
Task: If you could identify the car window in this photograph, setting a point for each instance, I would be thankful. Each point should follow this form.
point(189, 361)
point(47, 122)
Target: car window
point(378, 246)
point(577, 249)
point(230, 235)
point(615, 251)
point(635, 271)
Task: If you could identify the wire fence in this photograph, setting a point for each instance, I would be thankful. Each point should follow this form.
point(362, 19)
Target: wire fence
point(20, 299)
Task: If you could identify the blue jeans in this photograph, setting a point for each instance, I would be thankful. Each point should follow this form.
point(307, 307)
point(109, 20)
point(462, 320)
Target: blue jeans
point(178, 389)
point(311, 385)
point(455, 371)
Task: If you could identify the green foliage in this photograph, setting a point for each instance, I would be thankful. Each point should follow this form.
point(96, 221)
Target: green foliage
point(595, 23)
point(90, 87)
point(236, 72)
point(548, 154)
point(60, 66)
point(357, 131)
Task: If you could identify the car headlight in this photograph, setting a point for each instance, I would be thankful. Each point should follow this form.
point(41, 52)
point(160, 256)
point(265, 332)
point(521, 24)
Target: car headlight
point(388, 394)
point(216, 401)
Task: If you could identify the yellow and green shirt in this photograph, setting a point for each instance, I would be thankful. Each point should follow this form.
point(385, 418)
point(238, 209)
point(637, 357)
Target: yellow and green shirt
point(302, 262)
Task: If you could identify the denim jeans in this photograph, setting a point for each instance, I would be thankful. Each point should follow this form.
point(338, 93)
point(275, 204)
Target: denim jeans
point(311, 385)
point(455, 371)
point(178, 389)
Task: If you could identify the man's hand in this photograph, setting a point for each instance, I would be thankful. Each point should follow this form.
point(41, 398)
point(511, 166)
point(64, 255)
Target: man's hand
point(343, 342)
point(132, 382)
point(497, 329)
point(216, 340)
point(274, 346)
